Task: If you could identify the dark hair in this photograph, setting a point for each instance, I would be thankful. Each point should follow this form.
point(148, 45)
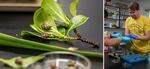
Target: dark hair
point(134, 6)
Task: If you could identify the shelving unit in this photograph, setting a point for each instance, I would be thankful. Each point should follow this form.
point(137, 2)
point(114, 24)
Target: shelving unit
point(116, 17)
point(19, 5)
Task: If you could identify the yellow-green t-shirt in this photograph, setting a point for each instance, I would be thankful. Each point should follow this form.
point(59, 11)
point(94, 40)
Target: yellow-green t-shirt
point(138, 27)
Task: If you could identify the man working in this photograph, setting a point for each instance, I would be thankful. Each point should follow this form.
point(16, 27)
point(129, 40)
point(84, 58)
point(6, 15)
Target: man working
point(137, 27)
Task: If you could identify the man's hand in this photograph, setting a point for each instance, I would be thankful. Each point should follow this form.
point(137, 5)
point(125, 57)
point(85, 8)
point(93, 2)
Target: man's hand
point(126, 39)
point(116, 35)
point(133, 36)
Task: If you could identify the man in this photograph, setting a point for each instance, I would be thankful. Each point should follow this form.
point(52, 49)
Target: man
point(137, 27)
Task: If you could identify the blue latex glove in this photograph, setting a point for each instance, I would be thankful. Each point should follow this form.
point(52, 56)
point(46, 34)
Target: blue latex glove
point(133, 36)
point(116, 35)
point(126, 39)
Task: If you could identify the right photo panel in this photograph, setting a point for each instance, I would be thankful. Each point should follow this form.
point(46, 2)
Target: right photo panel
point(126, 34)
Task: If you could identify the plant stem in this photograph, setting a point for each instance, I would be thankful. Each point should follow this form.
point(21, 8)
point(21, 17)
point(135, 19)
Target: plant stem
point(79, 37)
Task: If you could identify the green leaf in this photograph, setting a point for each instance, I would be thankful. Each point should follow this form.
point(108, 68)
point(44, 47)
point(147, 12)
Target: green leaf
point(30, 60)
point(41, 17)
point(77, 21)
point(73, 7)
point(11, 41)
point(25, 61)
point(23, 33)
point(62, 30)
point(60, 35)
point(51, 10)
point(10, 62)
point(36, 28)
point(55, 10)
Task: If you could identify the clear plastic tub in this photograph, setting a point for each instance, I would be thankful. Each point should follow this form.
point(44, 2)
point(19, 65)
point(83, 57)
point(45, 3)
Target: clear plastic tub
point(63, 60)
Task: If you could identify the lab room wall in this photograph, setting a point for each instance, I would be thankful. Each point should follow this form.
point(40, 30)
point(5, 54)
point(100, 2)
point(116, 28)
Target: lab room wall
point(115, 30)
point(144, 4)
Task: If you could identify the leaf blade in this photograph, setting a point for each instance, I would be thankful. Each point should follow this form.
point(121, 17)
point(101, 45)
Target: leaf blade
point(25, 61)
point(55, 10)
point(41, 17)
point(77, 21)
point(22, 43)
point(73, 7)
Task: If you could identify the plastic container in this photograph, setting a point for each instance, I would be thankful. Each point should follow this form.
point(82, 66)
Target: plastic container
point(133, 58)
point(63, 60)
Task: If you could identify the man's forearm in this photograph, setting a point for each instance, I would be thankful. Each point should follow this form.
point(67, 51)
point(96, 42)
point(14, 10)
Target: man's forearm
point(126, 31)
point(144, 38)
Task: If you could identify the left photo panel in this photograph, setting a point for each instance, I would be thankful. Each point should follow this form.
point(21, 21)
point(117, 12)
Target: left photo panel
point(51, 34)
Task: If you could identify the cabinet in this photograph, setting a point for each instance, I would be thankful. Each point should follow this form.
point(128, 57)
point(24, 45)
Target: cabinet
point(116, 17)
